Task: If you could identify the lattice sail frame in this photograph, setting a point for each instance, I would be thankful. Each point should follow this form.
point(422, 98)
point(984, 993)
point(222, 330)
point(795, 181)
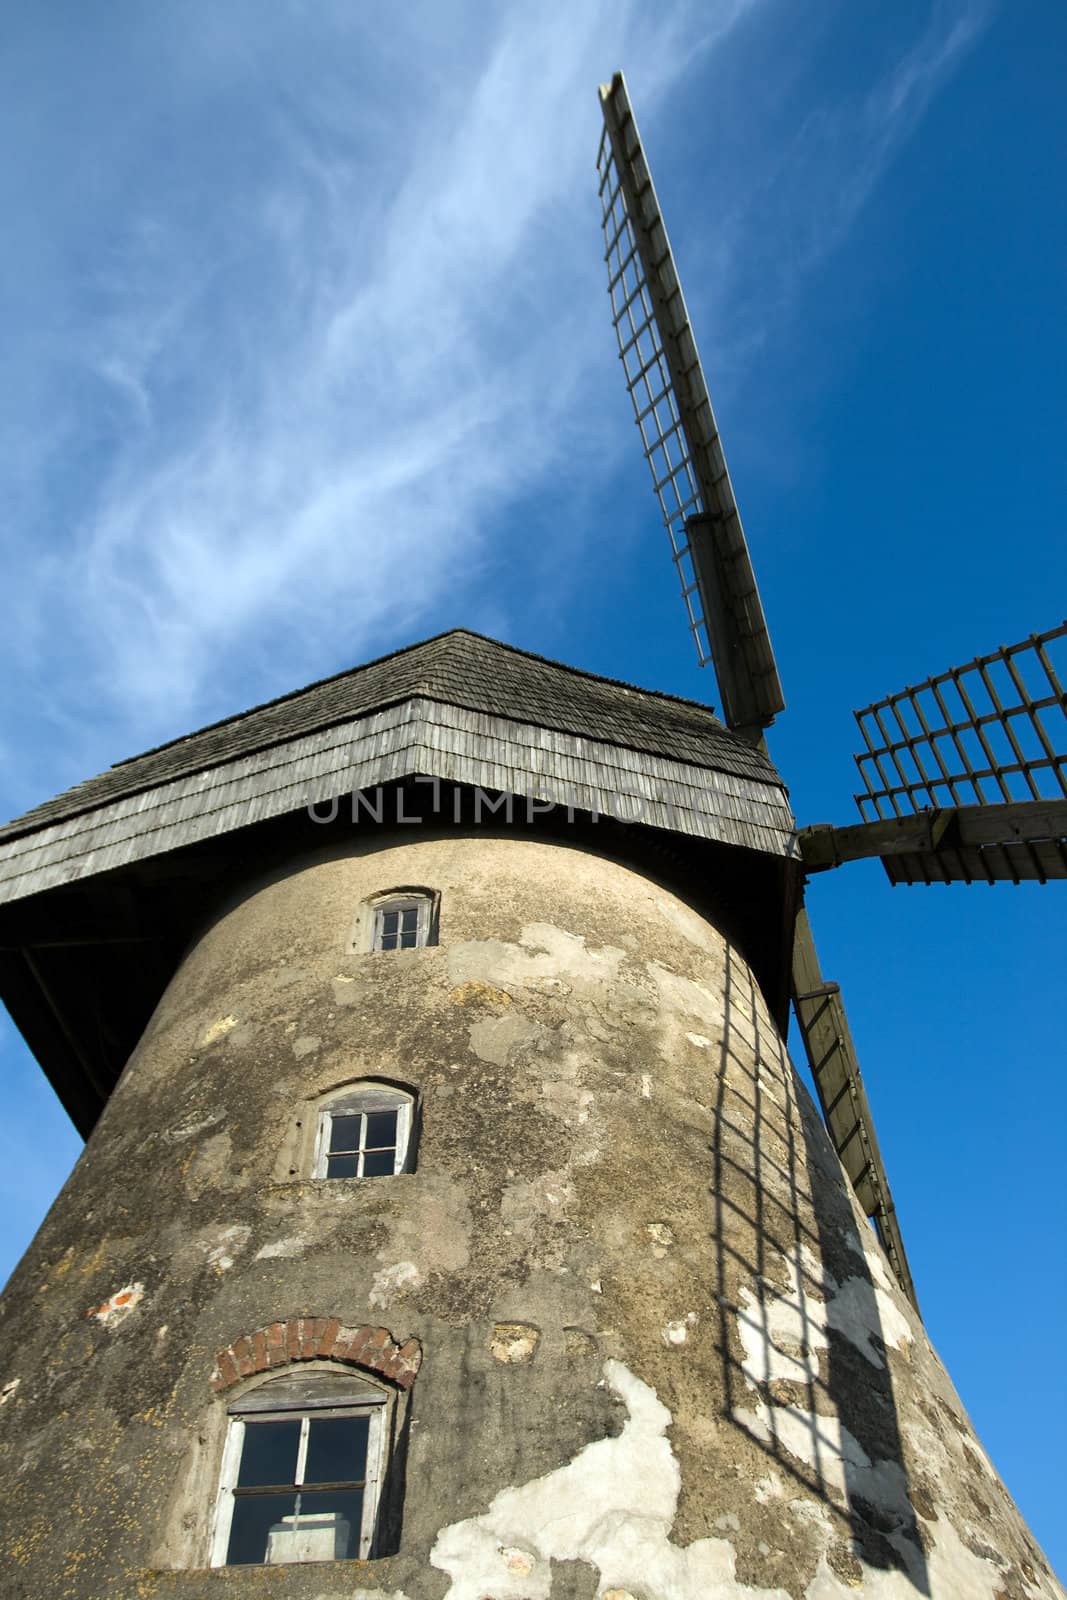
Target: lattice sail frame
point(679, 435)
point(993, 731)
point(649, 386)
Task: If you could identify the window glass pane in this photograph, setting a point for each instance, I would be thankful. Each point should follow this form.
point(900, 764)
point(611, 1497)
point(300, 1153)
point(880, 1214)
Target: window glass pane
point(337, 1450)
point(342, 1166)
point(381, 1129)
point(254, 1515)
point(344, 1132)
point(409, 939)
point(388, 941)
point(269, 1453)
point(331, 1517)
point(379, 1163)
point(409, 919)
point(390, 921)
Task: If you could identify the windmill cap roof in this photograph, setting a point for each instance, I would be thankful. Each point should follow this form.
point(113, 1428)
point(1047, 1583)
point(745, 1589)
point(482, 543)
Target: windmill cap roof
point(459, 668)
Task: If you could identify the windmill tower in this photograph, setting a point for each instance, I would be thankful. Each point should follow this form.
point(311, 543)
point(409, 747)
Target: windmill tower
point(452, 1222)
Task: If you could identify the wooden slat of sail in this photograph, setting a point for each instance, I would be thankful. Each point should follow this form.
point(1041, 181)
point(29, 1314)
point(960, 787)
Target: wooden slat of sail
point(831, 1055)
point(1040, 862)
point(681, 440)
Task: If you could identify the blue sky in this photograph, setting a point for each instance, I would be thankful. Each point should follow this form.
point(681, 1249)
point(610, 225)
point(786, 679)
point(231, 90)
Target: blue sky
point(308, 355)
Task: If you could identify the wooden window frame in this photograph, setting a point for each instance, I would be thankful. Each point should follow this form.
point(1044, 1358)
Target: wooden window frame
point(363, 1099)
point(421, 904)
point(367, 1400)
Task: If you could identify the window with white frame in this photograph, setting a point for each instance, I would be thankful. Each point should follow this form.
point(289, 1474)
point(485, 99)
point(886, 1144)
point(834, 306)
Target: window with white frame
point(402, 922)
point(364, 1131)
point(302, 1471)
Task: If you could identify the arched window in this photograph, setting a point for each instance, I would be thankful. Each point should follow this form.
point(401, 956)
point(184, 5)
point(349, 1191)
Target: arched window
point(402, 922)
point(364, 1131)
point(302, 1470)
point(402, 918)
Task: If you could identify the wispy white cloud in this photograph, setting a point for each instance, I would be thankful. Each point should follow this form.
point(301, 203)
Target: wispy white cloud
point(314, 354)
point(310, 405)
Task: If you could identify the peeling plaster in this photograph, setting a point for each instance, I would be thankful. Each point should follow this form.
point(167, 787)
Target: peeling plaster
point(783, 1328)
point(282, 1249)
point(189, 1126)
point(611, 1506)
point(9, 1390)
point(390, 1283)
point(230, 1242)
point(676, 1333)
point(118, 1306)
point(217, 1030)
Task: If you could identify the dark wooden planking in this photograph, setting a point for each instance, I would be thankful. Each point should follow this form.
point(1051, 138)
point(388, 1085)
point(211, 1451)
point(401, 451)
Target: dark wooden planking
point(831, 1054)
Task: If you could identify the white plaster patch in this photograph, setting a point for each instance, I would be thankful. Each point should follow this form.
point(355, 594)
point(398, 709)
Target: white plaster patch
point(646, 1086)
point(285, 1249)
point(9, 1390)
point(189, 1126)
point(783, 1329)
point(218, 1030)
point(117, 1307)
point(518, 1561)
point(227, 1247)
point(951, 1570)
point(699, 1040)
point(861, 1311)
point(611, 1506)
point(838, 1459)
point(391, 1282)
point(306, 1045)
point(678, 1332)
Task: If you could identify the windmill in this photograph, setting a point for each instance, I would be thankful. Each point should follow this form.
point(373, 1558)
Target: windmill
point(965, 775)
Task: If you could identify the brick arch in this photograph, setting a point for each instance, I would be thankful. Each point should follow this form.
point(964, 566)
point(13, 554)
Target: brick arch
point(281, 1344)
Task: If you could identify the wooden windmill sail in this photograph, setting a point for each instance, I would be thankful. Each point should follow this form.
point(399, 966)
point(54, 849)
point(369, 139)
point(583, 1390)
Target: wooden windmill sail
point(965, 776)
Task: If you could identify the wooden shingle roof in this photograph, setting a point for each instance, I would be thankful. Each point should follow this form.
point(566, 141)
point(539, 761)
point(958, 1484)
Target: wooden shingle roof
point(458, 668)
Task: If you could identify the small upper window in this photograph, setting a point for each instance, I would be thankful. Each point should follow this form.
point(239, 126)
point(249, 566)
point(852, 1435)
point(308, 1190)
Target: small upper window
point(364, 1132)
point(402, 923)
point(301, 1471)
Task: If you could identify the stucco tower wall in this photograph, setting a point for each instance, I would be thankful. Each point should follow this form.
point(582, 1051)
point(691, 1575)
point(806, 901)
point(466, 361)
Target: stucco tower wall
point(661, 1355)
